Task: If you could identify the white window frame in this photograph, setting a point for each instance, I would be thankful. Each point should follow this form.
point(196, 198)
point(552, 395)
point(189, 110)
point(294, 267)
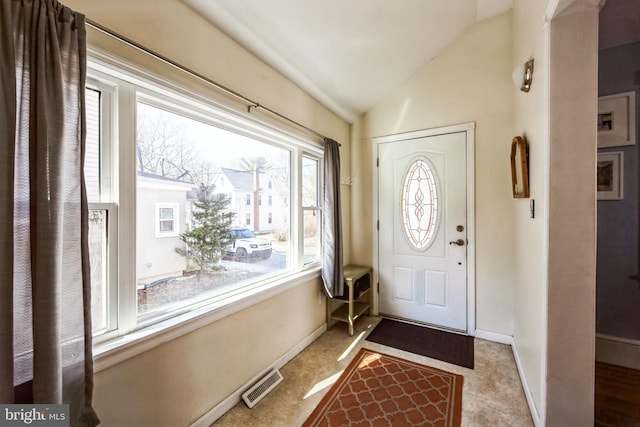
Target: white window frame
point(175, 231)
point(313, 208)
point(110, 276)
point(128, 333)
point(108, 195)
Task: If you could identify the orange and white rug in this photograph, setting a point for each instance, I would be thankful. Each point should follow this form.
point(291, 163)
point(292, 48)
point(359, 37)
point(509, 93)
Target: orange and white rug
point(382, 390)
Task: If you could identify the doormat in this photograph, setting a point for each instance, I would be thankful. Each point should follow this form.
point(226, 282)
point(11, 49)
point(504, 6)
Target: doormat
point(377, 389)
point(441, 345)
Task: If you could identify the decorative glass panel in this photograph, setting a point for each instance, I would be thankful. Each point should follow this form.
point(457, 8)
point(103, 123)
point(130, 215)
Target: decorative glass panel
point(420, 205)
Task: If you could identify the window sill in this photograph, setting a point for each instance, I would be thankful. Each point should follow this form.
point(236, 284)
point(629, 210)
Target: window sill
point(115, 351)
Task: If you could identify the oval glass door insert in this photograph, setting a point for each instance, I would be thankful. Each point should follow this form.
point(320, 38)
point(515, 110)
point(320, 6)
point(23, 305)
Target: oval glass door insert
point(420, 205)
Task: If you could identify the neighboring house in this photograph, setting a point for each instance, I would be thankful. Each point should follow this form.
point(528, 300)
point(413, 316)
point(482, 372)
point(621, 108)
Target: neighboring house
point(254, 197)
point(162, 206)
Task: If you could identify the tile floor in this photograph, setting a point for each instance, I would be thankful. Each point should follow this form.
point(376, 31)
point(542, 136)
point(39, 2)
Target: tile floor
point(492, 392)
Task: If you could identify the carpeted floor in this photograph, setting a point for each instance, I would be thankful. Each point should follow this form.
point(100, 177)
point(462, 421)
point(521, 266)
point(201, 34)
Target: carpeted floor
point(378, 389)
point(441, 345)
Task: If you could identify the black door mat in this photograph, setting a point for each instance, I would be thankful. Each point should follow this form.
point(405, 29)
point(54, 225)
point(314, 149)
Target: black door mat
point(446, 346)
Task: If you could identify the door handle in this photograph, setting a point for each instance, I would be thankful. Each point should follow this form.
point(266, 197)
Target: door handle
point(458, 242)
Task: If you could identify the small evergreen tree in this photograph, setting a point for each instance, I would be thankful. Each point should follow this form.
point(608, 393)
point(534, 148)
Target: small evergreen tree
point(208, 237)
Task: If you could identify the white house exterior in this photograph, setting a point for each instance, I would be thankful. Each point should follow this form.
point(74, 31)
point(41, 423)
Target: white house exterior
point(162, 214)
point(272, 204)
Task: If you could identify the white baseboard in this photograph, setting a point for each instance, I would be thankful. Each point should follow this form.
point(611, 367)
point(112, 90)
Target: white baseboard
point(219, 410)
point(495, 337)
point(618, 351)
point(535, 415)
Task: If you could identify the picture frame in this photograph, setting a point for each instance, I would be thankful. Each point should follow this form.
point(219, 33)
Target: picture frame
point(519, 168)
point(616, 120)
point(610, 175)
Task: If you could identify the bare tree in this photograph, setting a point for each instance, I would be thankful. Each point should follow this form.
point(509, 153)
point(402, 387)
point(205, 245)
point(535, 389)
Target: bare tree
point(162, 146)
point(203, 172)
point(280, 172)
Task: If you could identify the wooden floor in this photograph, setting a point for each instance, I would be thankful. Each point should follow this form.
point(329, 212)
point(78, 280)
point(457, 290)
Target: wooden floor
point(617, 396)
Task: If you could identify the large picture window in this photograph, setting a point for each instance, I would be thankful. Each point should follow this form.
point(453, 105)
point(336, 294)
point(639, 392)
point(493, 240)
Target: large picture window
point(194, 229)
point(216, 172)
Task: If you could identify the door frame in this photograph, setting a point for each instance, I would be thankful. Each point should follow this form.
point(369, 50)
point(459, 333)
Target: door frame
point(469, 130)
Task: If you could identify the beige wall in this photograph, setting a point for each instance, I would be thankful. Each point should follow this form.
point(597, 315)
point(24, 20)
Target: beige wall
point(469, 81)
point(530, 235)
point(554, 304)
point(177, 382)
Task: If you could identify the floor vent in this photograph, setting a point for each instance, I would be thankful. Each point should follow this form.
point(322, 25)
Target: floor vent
point(260, 389)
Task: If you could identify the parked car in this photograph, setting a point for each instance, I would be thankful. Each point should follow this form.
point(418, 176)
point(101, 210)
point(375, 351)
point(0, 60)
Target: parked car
point(246, 245)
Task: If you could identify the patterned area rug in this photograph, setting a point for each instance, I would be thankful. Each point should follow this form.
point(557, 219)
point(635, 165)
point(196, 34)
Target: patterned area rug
point(381, 390)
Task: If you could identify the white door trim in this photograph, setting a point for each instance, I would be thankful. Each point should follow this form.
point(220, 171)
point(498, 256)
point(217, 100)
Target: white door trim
point(469, 129)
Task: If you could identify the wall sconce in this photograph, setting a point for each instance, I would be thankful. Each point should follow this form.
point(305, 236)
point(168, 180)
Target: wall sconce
point(523, 76)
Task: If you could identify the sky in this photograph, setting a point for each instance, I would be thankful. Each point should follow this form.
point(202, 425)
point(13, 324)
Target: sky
point(219, 145)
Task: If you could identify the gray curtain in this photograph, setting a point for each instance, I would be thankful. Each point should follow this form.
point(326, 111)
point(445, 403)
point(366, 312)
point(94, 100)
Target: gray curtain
point(45, 328)
point(332, 263)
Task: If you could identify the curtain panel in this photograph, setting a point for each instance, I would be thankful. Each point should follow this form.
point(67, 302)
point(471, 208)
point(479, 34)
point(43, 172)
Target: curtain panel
point(45, 328)
point(332, 263)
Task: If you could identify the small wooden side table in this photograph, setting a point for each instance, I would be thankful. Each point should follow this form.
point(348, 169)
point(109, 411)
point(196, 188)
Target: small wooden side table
point(357, 298)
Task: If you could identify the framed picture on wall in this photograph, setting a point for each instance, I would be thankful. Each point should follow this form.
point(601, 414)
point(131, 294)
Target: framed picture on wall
point(617, 120)
point(610, 175)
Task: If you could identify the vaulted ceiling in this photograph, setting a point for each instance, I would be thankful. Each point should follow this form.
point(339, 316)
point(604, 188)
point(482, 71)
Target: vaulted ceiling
point(347, 54)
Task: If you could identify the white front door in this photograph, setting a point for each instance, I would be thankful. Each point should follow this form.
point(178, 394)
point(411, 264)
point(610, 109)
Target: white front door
point(422, 211)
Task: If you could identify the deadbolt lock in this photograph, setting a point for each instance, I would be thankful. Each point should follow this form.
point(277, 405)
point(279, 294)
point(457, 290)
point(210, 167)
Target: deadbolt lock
point(460, 228)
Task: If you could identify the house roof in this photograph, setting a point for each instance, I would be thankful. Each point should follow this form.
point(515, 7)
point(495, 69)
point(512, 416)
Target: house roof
point(159, 182)
point(164, 178)
point(240, 180)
